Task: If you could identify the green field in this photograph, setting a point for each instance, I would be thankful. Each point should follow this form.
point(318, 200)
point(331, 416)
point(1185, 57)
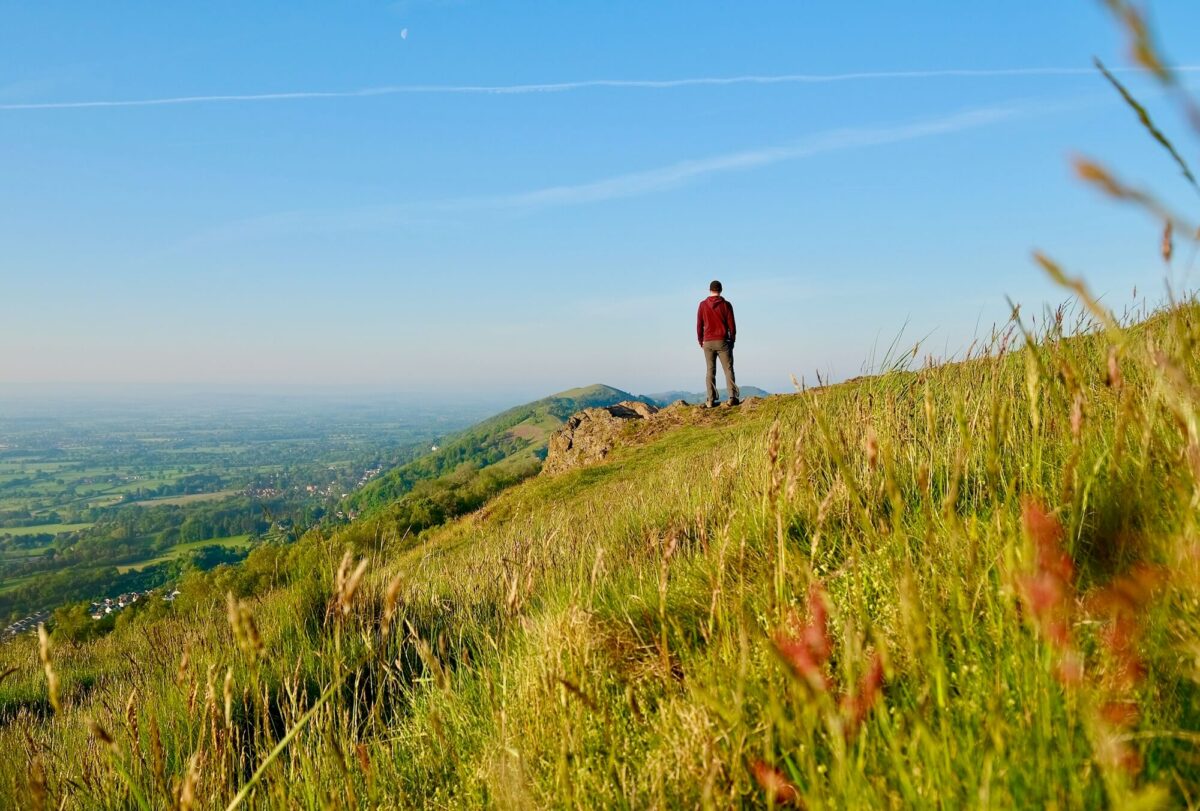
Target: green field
point(52, 529)
point(183, 549)
point(10, 583)
point(188, 499)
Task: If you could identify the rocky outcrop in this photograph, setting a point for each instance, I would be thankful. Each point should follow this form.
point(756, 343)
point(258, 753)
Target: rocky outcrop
point(588, 436)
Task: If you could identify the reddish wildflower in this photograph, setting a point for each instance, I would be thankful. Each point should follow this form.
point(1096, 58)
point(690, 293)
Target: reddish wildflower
point(1122, 603)
point(775, 784)
point(1130, 592)
point(1120, 640)
point(1049, 591)
point(1120, 606)
point(806, 646)
point(804, 664)
point(855, 706)
point(1047, 533)
point(1120, 713)
point(816, 633)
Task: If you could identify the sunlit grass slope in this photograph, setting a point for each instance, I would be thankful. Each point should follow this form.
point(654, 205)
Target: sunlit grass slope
point(510, 442)
point(976, 585)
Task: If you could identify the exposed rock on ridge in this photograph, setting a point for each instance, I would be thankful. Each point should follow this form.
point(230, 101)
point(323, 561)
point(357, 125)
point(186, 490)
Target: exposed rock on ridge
point(589, 435)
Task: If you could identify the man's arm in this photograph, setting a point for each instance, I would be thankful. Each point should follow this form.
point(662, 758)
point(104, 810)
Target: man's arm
point(700, 325)
point(732, 324)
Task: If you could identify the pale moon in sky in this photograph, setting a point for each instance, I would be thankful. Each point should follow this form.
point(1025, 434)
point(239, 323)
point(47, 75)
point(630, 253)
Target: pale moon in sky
point(404, 33)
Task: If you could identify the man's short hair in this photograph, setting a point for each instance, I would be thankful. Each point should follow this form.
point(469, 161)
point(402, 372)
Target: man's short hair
point(714, 286)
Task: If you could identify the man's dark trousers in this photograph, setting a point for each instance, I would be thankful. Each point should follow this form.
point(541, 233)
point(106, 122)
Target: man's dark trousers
point(724, 351)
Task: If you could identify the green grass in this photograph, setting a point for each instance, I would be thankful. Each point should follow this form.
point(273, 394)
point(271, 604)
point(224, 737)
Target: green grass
point(183, 549)
point(632, 634)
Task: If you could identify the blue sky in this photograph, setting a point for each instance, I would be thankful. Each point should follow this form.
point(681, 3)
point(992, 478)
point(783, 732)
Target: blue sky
point(396, 222)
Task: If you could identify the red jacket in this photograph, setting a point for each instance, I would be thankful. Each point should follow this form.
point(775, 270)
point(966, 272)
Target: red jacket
point(714, 320)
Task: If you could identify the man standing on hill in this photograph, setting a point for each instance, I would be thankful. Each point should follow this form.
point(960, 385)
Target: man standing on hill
point(716, 331)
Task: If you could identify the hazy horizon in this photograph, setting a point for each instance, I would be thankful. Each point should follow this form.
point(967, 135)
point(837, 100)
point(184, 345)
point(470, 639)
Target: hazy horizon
point(21, 400)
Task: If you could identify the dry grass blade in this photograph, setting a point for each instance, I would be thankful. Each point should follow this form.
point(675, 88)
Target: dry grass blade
point(1144, 116)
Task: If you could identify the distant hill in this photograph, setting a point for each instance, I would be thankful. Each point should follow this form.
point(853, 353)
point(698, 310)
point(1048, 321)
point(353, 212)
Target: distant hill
point(509, 443)
point(664, 398)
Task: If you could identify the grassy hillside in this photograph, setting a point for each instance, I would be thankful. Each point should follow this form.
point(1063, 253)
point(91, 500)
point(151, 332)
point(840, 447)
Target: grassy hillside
point(970, 586)
point(515, 438)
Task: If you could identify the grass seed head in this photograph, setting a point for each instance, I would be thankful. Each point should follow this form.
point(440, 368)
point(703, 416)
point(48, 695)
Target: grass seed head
point(48, 667)
point(1077, 415)
point(245, 629)
point(348, 586)
point(390, 601)
point(187, 789)
point(1113, 372)
point(228, 696)
point(101, 734)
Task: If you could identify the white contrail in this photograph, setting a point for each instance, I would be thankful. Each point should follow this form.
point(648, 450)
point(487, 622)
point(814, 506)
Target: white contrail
point(562, 87)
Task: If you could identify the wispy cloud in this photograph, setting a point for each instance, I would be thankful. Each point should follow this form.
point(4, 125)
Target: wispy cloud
point(676, 174)
point(631, 184)
point(563, 87)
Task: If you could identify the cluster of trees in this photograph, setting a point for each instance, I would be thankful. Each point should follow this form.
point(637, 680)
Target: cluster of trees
point(31, 541)
point(487, 444)
point(11, 519)
point(57, 588)
point(82, 564)
point(134, 532)
point(434, 502)
point(212, 571)
point(75, 589)
point(14, 518)
point(183, 486)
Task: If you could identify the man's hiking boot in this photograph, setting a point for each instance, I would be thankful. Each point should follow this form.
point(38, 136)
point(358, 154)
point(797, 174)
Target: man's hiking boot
point(709, 405)
point(730, 403)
